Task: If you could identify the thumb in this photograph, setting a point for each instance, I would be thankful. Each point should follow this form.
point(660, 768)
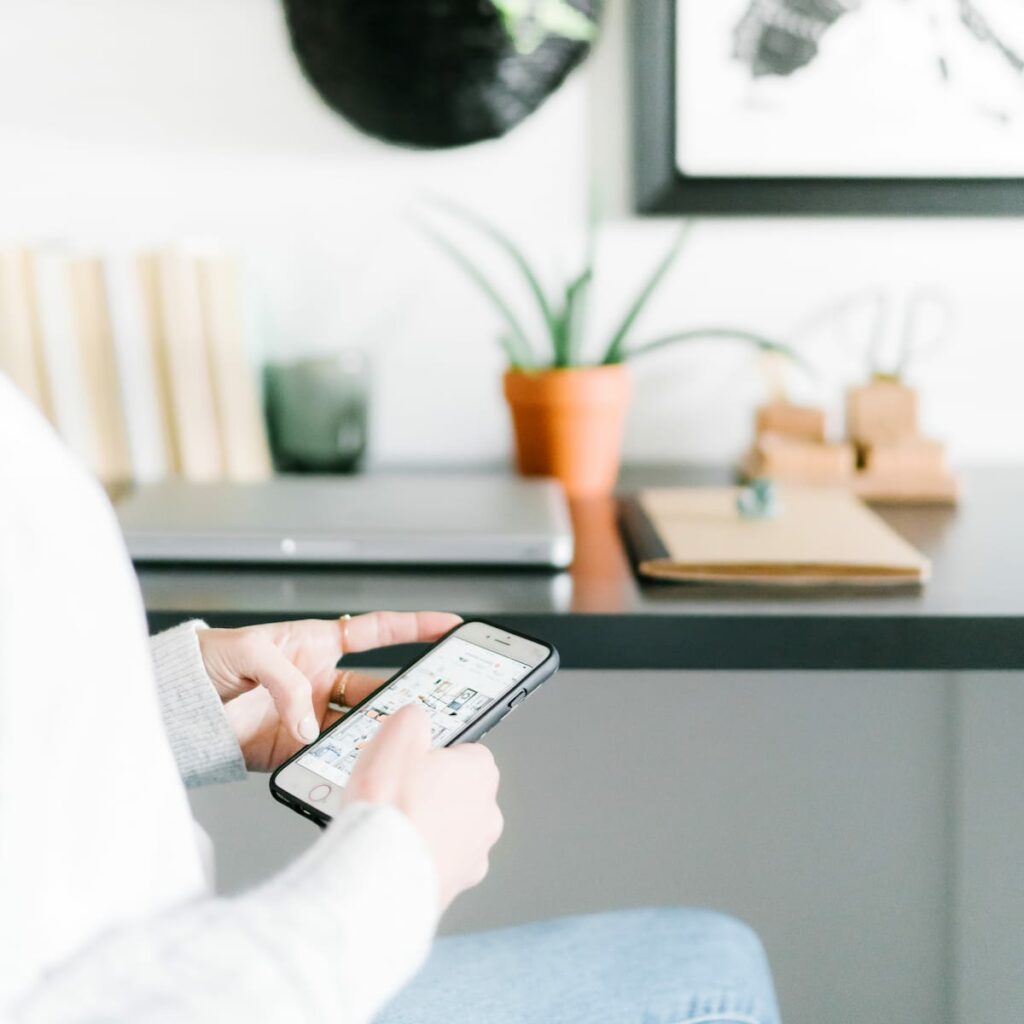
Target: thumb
point(290, 689)
point(402, 737)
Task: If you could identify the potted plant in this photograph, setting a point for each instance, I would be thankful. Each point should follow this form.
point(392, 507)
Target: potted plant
point(569, 413)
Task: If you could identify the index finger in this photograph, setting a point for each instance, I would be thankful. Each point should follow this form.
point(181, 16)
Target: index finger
point(385, 629)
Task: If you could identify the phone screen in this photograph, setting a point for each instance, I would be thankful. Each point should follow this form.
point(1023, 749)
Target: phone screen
point(455, 682)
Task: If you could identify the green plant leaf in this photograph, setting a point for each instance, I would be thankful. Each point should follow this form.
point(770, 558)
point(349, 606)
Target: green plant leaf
point(577, 298)
point(510, 353)
point(576, 306)
point(570, 322)
point(615, 349)
point(560, 340)
point(517, 339)
point(505, 243)
point(761, 342)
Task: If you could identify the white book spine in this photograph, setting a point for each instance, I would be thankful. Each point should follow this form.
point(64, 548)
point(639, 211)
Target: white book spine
point(20, 353)
point(133, 348)
point(64, 371)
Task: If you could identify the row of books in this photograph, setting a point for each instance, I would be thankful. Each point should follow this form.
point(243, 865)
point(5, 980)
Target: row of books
point(139, 361)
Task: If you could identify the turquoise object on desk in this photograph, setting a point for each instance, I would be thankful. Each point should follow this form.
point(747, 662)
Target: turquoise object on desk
point(317, 413)
point(759, 500)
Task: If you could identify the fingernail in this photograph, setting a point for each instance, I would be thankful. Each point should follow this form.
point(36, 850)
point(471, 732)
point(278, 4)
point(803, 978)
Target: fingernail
point(308, 729)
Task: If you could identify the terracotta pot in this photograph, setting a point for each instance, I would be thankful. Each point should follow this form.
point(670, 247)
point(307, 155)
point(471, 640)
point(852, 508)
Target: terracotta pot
point(569, 424)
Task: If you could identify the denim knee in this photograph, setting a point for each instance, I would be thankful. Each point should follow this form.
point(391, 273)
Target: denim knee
point(649, 966)
point(720, 963)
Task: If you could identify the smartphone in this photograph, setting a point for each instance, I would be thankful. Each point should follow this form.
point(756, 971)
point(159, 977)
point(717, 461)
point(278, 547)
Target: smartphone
point(467, 682)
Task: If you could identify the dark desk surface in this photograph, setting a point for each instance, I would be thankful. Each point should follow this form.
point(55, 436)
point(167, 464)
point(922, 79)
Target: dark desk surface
point(969, 616)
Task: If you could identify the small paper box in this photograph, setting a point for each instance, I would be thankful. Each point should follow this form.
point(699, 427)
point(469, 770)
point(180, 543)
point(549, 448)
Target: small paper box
point(907, 490)
point(881, 413)
point(804, 461)
point(917, 458)
point(796, 421)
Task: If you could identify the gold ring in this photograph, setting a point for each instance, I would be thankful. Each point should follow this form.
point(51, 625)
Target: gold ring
point(344, 620)
point(338, 693)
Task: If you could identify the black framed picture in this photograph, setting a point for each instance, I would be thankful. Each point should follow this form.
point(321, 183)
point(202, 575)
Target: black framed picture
point(864, 107)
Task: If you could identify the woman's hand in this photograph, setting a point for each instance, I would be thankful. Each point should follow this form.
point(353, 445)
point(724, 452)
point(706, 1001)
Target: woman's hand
point(450, 795)
point(276, 680)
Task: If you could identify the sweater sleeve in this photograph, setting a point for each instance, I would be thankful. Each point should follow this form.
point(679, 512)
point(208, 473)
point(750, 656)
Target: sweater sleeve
point(201, 738)
point(104, 911)
point(333, 937)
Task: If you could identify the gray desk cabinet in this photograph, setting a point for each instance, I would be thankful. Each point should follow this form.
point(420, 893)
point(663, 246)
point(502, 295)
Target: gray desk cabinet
point(869, 824)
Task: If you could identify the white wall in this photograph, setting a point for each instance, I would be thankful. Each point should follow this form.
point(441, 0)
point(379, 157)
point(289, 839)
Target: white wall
point(135, 122)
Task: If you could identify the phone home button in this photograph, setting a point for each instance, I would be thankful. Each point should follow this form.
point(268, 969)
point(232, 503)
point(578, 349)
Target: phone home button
point(318, 793)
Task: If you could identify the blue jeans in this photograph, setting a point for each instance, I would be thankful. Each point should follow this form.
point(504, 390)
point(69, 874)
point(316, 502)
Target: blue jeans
point(629, 967)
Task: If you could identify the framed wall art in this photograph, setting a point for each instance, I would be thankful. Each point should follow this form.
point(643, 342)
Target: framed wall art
point(866, 107)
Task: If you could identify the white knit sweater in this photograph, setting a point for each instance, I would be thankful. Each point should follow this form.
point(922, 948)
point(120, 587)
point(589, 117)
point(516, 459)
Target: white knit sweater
point(105, 911)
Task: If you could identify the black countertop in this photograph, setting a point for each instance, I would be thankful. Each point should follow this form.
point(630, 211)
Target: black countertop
point(970, 615)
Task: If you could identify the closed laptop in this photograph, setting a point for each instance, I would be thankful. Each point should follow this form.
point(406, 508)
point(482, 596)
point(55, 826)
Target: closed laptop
point(375, 519)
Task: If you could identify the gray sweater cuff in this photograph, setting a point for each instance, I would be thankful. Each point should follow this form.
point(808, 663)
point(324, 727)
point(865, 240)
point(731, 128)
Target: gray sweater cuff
point(203, 742)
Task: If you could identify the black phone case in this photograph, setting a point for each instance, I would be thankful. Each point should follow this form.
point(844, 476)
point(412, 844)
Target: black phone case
point(476, 731)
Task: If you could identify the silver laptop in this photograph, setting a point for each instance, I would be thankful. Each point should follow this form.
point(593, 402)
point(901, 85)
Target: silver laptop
point(384, 520)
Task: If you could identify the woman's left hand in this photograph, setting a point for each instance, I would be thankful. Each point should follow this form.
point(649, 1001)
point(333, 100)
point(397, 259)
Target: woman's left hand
point(277, 680)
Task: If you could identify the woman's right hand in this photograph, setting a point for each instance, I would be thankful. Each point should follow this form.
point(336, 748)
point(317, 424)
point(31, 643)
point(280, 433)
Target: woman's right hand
point(450, 795)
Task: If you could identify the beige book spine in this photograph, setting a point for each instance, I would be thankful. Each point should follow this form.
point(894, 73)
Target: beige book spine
point(236, 392)
point(112, 459)
point(193, 409)
point(153, 315)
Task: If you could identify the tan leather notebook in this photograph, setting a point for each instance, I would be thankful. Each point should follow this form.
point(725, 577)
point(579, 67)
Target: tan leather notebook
point(820, 536)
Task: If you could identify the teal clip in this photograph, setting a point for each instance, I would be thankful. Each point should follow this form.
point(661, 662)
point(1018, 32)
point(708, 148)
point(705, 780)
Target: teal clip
point(759, 500)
